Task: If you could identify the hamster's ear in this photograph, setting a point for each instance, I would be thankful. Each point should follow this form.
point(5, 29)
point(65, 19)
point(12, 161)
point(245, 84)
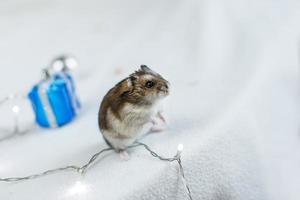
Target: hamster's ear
point(145, 68)
point(127, 86)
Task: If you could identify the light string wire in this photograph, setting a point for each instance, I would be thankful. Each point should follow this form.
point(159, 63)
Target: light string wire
point(11, 97)
point(177, 158)
point(84, 167)
point(5, 99)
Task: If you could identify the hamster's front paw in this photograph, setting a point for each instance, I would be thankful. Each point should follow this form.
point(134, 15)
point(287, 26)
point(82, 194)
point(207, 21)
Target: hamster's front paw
point(161, 117)
point(158, 123)
point(158, 119)
point(157, 128)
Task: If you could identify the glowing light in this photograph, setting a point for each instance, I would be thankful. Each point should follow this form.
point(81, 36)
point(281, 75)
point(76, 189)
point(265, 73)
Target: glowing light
point(71, 63)
point(16, 109)
point(58, 66)
point(180, 147)
point(77, 189)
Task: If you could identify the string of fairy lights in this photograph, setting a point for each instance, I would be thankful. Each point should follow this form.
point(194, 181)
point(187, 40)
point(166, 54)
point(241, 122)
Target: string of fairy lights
point(83, 169)
point(15, 108)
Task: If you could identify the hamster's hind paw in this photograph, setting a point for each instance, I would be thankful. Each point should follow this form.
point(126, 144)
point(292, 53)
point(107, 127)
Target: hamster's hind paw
point(124, 156)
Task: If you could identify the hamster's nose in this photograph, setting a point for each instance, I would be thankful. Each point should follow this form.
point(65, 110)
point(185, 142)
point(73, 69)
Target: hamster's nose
point(164, 88)
point(167, 86)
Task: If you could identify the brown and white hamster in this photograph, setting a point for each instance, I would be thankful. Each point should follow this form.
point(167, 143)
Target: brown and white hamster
point(130, 107)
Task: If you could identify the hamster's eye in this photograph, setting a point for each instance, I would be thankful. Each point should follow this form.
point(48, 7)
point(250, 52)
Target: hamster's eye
point(149, 84)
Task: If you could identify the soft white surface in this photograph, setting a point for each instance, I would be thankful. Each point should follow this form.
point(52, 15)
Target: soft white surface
point(234, 70)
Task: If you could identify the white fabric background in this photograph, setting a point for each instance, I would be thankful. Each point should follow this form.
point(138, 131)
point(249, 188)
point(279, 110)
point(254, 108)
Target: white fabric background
point(234, 104)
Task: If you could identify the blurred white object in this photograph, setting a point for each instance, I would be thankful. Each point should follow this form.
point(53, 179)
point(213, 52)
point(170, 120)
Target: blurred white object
point(62, 63)
point(16, 115)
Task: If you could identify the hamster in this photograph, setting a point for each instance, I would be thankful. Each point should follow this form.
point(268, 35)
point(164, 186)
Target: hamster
point(130, 107)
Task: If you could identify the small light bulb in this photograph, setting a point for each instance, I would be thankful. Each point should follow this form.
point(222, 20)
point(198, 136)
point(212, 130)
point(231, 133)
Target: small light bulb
point(71, 63)
point(180, 147)
point(57, 66)
point(80, 170)
point(16, 109)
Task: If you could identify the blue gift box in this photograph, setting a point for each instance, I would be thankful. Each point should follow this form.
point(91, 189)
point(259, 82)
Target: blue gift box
point(54, 100)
